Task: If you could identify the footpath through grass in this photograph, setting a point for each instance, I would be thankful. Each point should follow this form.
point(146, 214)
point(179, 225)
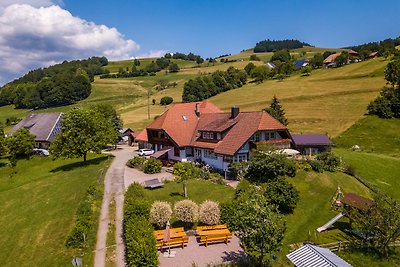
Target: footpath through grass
point(37, 209)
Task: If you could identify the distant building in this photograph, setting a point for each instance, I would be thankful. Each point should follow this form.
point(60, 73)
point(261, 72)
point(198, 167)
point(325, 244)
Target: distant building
point(330, 60)
point(44, 126)
point(353, 53)
point(374, 55)
point(301, 63)
point(311, 144)
point(270, 65)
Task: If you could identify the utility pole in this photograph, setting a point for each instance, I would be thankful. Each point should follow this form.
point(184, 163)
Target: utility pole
point(148, 104)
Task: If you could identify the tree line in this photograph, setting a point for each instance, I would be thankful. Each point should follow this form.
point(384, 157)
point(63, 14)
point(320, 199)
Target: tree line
point(61, 84)
point(274, 45)
point(162, 63)
point(384, 48)
point(206, 86)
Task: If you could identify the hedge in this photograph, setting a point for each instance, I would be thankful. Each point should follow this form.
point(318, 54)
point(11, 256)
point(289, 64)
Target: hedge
point(138, 231)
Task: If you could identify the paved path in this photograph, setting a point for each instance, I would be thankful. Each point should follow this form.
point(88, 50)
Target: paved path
point(113, 185)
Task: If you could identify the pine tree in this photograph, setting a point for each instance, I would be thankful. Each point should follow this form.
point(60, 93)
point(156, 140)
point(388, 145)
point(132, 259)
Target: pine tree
point(276, 110)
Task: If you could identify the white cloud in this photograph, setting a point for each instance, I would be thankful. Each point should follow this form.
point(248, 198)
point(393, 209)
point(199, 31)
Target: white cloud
point(36, 34)
point(152, 54)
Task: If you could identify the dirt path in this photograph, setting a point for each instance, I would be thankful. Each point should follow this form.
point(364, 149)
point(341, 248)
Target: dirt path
point(113, 184)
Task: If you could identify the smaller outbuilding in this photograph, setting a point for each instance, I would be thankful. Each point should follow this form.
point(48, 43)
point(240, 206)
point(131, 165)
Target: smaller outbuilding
point(301, 63)
point(270, 65)
point(311, 144)
point(314, 256)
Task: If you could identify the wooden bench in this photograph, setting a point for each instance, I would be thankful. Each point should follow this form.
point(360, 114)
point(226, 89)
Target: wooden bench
point(172, 230)
point(205, 239)
point(177, 241)
point(211, 227)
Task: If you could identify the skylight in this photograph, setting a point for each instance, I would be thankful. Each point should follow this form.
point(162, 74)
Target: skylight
point(184, 118)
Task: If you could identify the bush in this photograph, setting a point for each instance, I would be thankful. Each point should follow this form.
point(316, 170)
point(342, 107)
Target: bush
point(135, 162)
point(136, 204)
point(238, 169)
point(209, 213)
point(316, 165)
point(307, 167)
point(166, 100)
point(329, 161)
point(283, 194)
point(140, 243)
point(350, 170)
point(160, 213)
point(84, 231)
point(152, 165)
point(186, 211)
point(138, 232)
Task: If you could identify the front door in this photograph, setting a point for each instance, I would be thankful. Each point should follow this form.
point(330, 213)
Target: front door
point(197, 153)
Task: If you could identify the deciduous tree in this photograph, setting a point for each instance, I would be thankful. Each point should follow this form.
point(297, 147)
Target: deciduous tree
point(82, 131)
point(20, 145)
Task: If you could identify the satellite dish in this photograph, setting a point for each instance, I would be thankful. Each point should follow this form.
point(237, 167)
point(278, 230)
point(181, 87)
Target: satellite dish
point(77, 262)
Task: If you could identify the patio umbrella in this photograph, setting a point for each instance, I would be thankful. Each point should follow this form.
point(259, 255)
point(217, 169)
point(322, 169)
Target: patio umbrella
point(167, 236)
point(290, 152)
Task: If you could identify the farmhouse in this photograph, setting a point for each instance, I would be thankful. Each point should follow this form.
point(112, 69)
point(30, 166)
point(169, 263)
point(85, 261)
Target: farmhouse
point(201, 132)
point(330, 60)
point(44, 126)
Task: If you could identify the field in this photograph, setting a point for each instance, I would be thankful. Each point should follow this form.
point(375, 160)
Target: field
point(37, 207)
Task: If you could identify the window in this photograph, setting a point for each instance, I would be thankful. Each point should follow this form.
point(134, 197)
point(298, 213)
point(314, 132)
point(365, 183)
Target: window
point(176, 152)
point(257, 137)
point(270, 135)
point(241, 157)
point(228, 159)
point(209, 154)
point(208, 135)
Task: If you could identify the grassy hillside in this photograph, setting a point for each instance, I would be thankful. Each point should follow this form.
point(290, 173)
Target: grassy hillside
point(37, 209)
point(373, 135)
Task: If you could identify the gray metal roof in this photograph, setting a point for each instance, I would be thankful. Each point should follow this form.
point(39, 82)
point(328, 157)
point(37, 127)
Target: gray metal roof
point(41, 125)
point(314, 256)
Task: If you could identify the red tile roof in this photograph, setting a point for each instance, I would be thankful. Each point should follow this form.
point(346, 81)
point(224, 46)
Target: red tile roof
point(332, 58)
point(186, 132)
point(180, 121)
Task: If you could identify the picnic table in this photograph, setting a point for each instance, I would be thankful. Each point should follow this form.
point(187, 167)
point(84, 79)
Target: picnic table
point(214, 235)
point(178, 236)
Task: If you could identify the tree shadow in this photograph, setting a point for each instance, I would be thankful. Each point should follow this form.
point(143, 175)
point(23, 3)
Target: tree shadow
point(3, 164)
point(175, 194)
point(233, 256)
point(71, 166)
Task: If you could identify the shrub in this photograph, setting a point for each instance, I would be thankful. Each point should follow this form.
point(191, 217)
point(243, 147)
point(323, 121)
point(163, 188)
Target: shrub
point(136, 204)
point(307, 167)
point(84, 231)
point(152, 165)
point(140, 243)
point(166, 100)
point(350, 170)
point(138, 232)
point(283, 194)
point(135, 162)
point(160, 213)
point(238, 169)
point(316, 165)
point(329, 161)
point(209, 213)
point(186, 211)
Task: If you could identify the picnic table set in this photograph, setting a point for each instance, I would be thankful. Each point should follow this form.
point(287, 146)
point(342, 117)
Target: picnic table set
point(178, 237)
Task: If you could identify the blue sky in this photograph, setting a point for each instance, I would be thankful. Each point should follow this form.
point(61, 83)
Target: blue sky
point(214, 27)
point(38, 33)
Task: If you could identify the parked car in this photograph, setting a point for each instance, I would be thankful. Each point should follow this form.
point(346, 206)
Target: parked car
point(41, 152)
point(145, 152)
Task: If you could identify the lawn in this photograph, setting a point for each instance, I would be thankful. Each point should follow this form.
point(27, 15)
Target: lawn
point(38, 206)
point(327, 101)
point(373, 135)
point(198, 191)
point(381, 170)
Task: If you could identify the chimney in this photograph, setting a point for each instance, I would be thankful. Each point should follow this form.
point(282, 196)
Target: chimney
point(234, 112)
point(197, 110)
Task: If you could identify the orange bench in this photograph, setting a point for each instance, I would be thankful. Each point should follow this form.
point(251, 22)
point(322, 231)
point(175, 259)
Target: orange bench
point(180, 240)
point(211, 227)
point(215, 237)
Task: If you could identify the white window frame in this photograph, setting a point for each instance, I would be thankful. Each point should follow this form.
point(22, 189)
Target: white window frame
point(208, 153)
